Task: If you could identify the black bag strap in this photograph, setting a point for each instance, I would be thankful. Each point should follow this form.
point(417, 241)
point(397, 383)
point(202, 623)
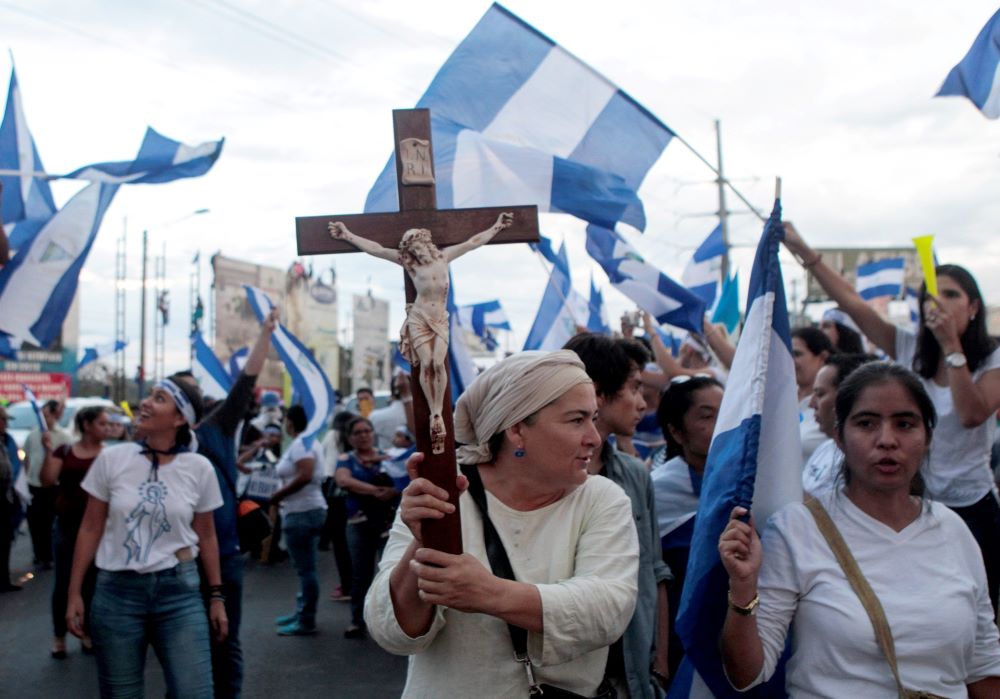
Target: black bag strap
point(500, 564)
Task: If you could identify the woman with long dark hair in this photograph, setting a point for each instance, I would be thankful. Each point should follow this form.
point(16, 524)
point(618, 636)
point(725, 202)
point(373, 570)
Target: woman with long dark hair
point(369, 494)
point(922, 569)
point(148, 518)
point(65, 468)
point(687, 414)
point(959, 366)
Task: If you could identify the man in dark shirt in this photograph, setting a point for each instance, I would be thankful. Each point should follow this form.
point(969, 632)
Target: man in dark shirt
point(217, 434)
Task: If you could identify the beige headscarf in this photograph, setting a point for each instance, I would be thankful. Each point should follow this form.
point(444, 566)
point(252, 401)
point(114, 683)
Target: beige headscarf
point(508, 392)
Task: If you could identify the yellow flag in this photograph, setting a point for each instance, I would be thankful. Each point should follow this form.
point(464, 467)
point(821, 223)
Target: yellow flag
point(925, 251)
point(127, 409)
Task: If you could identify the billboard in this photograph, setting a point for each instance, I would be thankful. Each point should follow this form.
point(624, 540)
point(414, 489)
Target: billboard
point(370, 365)
point(846, 261)
point(235, 325)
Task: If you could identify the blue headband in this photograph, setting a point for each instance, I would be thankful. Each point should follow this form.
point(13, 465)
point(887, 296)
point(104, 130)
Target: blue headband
point(181, 400)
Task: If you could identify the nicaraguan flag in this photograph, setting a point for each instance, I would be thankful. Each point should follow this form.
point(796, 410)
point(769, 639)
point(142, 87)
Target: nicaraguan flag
point(727, 311)
point(27, 202)
point(516, 118)
point(237, 360)
point(211, 375)
point(755, 461)
point(308, 380)
point(977, 76)
point(651, 289)
point(913, 302)
point(597, 319)
point(462, 368)
point(38, 285)
point(562, 309)
point(92, 354)
point(29, 396)
point(160, 159)
point(881, 278)
point(482, 319)
point(702, 274)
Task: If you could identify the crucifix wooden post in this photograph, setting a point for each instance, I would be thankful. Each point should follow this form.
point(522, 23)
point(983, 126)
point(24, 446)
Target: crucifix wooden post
point(418, 210)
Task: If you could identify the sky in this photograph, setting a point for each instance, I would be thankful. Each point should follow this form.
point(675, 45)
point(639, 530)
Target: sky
point(836, 98)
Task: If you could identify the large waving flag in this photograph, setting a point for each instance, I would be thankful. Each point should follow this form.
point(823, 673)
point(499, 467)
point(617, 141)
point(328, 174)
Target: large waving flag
point(27, 202)
point(977, 76)
point(754, 462)
point(211, 375)
point(562, 309)
point(160, 159)
point(462, 369)
point(516, 118)
point(651, 289)
point(92, 354)
point(37, 286)
point(597, 318)
point(704, 270)
point(881, 278)
point(308, 380)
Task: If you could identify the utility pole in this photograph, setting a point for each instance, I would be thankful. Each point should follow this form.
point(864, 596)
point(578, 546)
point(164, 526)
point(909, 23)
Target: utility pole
point(121, 266)
point(723, 212)
point(141, 377)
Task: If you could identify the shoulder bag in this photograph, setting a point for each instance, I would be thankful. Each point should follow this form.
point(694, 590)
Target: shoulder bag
point(869, 600)
point(500, 564)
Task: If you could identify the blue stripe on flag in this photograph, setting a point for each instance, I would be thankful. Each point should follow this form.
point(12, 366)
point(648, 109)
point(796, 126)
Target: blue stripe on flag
point(597, 321)
point(208, 370)
point(308, 379)
point(874, 292)
point(92, 354)
point(555, 322)
point(975, 76)
point(754, 461)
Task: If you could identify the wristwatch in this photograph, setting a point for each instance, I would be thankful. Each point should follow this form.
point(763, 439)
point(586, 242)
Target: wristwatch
point(955, 360)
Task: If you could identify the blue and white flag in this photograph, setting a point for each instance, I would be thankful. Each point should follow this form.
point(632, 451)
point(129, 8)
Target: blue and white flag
point(92, 354)
point(38, 285)
point(702, 274)
point(652, 290)
point(881, 278)
point(597, 319)
point(308, 379)
point(208, 371)
point(462, 369)
point(727, 311)
point(160, 159)
point(516, 118)
point(479, 317)
point(977, 76)
point(544, 246)
point(29, 396)
point(913, 302)
point(237, 360)
point(562, 309)
point(755, 461)
point(27, 200)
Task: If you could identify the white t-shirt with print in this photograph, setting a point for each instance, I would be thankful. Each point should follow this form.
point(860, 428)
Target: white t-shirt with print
point(958, 472)
point(311, 496)
point(149, 515)
point(821, 471)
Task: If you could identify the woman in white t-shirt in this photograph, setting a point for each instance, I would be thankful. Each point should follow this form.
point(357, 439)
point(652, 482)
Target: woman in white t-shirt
point(148, 517)
point(958, 364)
point(917, 555)
point(303, 512)
point(810, 348)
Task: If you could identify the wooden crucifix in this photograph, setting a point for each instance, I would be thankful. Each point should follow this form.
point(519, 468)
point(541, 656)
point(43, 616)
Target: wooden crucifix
point(423, 239)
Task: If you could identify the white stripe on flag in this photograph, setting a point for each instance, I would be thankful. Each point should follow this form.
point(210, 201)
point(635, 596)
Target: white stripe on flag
point(568, 92)
point(492, 173)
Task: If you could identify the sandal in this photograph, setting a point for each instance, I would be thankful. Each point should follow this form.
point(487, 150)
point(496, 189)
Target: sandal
point(58, 648)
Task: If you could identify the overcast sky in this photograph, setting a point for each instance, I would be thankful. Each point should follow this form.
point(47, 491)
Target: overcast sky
point(834, 97)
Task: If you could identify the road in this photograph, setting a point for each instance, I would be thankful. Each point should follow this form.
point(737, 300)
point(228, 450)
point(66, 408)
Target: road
point(324, 665)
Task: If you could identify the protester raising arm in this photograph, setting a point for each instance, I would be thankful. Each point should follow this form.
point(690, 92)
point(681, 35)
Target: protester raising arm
point(875, 327)
point(718, 340)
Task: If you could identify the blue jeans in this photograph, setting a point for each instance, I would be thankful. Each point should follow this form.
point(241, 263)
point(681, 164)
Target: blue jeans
point(132, 610)
point(227, 656)
point(365, 541)
point(302, 531)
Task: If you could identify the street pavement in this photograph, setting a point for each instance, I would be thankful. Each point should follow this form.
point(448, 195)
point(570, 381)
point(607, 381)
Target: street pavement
point(324, 665)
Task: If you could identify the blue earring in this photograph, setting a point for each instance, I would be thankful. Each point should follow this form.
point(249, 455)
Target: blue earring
point(519, 452)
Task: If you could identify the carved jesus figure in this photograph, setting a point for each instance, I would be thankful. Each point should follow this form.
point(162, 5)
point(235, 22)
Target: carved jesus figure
point(424, 336)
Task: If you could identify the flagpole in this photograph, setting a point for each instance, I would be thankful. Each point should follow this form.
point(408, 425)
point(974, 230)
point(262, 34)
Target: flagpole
point(720, 180)
point(735, 191)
